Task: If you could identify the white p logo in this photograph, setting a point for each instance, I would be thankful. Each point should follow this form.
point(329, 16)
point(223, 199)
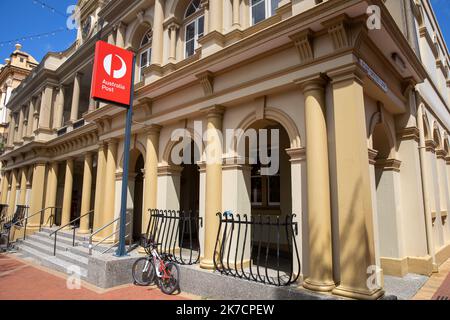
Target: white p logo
point(116, 74)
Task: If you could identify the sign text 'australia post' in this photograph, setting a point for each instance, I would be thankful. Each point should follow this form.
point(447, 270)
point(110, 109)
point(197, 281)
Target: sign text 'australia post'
point(112, 74)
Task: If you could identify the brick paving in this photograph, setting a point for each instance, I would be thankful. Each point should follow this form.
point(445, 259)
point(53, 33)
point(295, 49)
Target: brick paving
point(438, 284)
point(22, 280)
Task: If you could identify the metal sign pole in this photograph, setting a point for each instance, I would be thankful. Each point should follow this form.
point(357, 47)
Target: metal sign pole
point(121, 250)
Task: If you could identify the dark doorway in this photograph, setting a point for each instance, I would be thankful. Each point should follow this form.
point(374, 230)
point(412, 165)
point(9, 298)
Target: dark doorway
point(189, 202)
point(138, 198)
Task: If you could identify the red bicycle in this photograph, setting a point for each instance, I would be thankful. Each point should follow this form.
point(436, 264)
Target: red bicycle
point(166, 274)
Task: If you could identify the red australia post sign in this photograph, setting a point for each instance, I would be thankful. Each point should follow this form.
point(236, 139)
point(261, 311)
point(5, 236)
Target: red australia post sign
point(112, 74)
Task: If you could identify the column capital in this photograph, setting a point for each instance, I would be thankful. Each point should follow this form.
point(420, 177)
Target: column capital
point(119, 25)
point(88, 154)
point(313, 82)
point(214, 111)
point(153, 129)
point(77, 74)
point(352, 72)
point(111, 141)
point(172, 23)
point(296, 154)
point(372, 155)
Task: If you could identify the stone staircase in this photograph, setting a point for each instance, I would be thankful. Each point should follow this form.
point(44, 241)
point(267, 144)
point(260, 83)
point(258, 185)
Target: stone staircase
point(39, 248)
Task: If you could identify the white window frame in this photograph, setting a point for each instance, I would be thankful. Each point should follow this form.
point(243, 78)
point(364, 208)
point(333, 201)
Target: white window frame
point(194, 21)
point(147, 52)
point(267, 10)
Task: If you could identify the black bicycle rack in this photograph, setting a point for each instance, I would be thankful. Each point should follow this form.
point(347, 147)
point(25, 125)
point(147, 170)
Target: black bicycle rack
point(177, 233)
point(269, 258)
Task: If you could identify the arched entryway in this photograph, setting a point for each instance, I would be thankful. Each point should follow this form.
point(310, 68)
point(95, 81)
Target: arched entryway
point(386, 187)
point(189, 200)
point(138, 199)
point(135, 202)
point(271, 194)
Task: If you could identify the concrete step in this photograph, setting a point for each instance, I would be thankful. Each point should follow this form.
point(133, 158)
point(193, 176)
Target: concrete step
point(67, 234)
point(63, 253)
point(60, 241)
point(55, 263)
point(64, 243)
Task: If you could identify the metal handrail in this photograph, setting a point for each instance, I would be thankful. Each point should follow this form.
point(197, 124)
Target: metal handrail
point(115, 243)
point(40, 212)
point(91, 247)
point(66, 225)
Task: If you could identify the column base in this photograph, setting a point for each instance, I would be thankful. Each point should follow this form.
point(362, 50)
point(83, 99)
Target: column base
point(353, 293)
point(207, 264)
point(319, 286)
point(80, 231)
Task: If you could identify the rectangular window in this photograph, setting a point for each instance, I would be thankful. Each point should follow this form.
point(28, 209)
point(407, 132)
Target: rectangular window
point(144, 62)
point(190, 39)
point(274, 190)
point(262, 9)
point(258, 11)
point(194, 31)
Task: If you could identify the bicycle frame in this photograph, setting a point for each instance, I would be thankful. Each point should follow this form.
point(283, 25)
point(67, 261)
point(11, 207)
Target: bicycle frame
point(161, 271)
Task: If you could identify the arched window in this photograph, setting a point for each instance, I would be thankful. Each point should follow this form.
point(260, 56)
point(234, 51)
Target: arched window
point(145, 53)
point(262, 9)
point(194, 22)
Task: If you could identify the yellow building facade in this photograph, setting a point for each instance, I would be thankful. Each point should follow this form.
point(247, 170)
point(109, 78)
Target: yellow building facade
point(359, 90)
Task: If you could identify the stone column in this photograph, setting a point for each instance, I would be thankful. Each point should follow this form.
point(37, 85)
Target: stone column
point(68, 188)
point(11, 130)
point(59, 110)
point(23, 186)
point(75, 97)
point(213, 184)
point(356, 246)
point(426, 186)
point(151, 174)
point(5, 183)
point(35, 119)
point(12, 193)
point(100, 187)
point(2, 107)
point(111, 39)
point(46, 108)
point(236, 13)
point(18, 136)
point(52, 188)
point(320, 276)
point(120, 37)
point(86, 196)
point(110, 186)
point(173, 42)
point(158, 30)
point(29, 132)
point(215, 15)
point(37, 193)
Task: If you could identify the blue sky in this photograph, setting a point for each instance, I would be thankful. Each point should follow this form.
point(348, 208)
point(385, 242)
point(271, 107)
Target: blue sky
point(30, 18)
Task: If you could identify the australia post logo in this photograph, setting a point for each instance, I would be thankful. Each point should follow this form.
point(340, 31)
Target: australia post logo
point(112, 74)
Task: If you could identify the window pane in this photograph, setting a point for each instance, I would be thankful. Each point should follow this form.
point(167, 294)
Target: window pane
point(274, 189)
point(256, 196)
point(258, 12)
point(201, 26)
point(190, 48)
point(274, 6)
point(190, 31)
point(144, 59)
point(254, 2)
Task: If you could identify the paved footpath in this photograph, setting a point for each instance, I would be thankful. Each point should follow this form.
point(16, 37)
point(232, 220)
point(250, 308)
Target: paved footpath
point(438, 286)
point(22, 280)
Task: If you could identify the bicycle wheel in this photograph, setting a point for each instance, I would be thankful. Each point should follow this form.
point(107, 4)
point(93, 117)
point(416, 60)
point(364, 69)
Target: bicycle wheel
point(143, 272)
point(171, 278)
